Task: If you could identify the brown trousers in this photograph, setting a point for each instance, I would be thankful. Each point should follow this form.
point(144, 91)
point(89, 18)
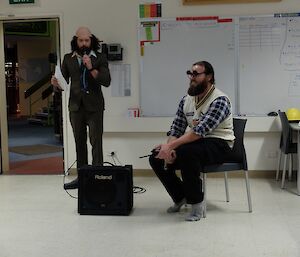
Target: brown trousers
point(80, 121)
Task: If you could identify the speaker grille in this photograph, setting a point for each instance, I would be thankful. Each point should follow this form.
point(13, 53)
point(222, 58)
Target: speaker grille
point(101, 192)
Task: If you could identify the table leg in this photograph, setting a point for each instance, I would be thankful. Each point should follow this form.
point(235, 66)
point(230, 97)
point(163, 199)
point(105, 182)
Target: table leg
point(298, 154)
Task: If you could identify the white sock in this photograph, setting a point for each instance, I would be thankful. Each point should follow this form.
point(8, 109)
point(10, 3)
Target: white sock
point(196, 212)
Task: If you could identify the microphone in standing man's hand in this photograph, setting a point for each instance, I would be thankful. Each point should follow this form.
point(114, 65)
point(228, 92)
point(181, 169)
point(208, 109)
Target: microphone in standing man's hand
point(85, 51)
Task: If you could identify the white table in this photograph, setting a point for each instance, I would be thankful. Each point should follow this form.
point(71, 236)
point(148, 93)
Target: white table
point(296, 127)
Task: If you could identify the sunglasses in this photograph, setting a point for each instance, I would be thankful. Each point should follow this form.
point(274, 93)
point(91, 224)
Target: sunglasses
point(194, 73)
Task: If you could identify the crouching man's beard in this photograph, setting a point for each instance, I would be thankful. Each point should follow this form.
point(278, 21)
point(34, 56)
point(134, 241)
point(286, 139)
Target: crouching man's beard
point(197, 89)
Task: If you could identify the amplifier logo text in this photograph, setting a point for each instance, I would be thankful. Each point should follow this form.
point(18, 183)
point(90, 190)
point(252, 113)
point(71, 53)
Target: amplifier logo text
point(102, 177)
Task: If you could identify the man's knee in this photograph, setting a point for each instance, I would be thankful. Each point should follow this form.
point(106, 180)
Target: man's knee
point(154, 162)
point(187, 158)
point(183, 153)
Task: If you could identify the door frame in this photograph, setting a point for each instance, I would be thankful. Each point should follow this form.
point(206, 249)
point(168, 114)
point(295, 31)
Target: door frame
point(4, 155)
point(3, 111)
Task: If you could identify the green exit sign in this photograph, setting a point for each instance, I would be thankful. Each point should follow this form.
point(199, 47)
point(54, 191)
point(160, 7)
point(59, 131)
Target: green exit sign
point(21, 1)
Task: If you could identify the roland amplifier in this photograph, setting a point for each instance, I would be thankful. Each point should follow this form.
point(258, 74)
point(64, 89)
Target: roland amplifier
point(105, 190)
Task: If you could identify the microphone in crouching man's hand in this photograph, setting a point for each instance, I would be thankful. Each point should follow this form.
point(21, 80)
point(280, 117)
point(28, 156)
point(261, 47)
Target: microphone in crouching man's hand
point(153, 152)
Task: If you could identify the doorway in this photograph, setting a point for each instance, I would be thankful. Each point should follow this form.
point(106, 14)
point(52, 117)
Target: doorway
point(34, 118)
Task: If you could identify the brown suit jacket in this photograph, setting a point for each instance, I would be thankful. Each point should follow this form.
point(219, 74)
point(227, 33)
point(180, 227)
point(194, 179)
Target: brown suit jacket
point(93, 101)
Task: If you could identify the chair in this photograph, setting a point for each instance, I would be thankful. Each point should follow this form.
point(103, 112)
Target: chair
point(287, 147)
point(236, 160)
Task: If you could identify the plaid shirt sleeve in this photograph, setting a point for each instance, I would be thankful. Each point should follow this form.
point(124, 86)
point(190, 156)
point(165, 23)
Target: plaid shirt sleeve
point(179, 124)
point(219, 110)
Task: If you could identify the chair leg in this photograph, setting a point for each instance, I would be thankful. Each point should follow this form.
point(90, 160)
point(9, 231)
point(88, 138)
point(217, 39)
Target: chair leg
point(248, 191)
point(204, 193)
point(226, 186)
point(278, 165)
point(283, 171)
point(290, 167)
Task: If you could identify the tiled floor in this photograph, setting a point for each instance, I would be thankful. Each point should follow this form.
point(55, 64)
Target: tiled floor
point(22, 133)
point(37, 218)
point(50, 165)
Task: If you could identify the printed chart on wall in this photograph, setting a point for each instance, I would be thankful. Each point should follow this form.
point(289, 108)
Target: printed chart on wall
point(169, 47)
point(269, 68)
point(147, 10)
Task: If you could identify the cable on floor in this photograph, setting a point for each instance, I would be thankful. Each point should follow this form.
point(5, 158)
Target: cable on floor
point(64, 180)
point(136, 189)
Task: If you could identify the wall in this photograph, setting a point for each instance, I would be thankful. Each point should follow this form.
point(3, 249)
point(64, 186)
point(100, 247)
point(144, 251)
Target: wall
point(116, 22)
point(28, 50)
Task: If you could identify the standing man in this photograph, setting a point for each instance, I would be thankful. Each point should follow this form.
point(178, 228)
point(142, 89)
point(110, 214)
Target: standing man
point(207, 111)
point(88, 71)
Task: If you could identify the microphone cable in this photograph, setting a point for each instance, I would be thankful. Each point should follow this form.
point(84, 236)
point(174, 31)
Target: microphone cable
point(139, 190)
point(85, 86)
point(135, 189)
point(64, 180)
point(84, 75)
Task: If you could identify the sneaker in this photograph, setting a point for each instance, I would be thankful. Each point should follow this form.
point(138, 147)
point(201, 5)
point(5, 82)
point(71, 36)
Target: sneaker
point(176, 207)
point(71, 185)
point(196, 213)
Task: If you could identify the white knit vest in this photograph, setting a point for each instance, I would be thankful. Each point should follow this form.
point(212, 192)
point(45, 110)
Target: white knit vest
point(194, 108)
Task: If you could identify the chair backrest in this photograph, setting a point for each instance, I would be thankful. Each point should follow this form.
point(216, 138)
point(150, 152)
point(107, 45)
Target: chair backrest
point(238, 153)
point(286, 134)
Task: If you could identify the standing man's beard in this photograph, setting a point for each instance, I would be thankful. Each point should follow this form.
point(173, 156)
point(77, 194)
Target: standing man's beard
point(83, 50)
point(197, 89)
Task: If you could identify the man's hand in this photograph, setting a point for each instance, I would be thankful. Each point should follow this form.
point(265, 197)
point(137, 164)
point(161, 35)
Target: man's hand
point(165, 152)
point(172, 159)
point(86, 60)
point(54, 82)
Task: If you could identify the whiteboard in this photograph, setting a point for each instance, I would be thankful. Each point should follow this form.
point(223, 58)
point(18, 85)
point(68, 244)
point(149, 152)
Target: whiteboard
point(269, 63)
point(168, 50)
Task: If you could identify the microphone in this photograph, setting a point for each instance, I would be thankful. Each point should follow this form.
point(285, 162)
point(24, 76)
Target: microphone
point(148, 155)
point(153, 151)
point(84, 52)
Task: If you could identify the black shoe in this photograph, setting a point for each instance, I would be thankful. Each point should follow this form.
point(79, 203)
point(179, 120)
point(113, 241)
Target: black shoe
point(71, 185)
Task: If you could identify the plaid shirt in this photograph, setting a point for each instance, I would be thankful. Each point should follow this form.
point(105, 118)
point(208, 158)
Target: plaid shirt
point(219, 109)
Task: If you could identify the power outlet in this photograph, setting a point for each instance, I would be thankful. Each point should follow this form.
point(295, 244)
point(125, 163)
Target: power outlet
point(111, 153)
